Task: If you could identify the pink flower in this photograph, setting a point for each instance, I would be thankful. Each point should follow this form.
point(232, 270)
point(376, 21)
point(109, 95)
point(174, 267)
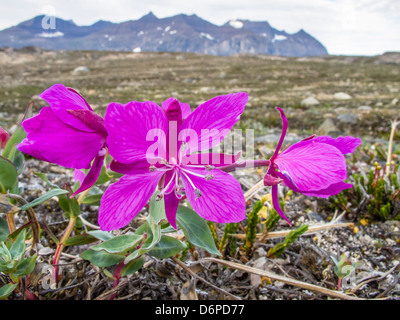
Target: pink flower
point(4, 137)
point(67, 133)
point(314, 167)
point(214, 194)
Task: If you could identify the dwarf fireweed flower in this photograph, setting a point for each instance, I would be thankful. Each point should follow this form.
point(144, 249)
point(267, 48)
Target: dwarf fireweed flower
point(155, 147)
point(67, 133)
point(315, 166)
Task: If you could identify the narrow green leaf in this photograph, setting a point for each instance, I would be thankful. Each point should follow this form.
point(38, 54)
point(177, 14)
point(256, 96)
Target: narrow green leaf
point(69, 205)
point(25, 266)
point(119, 244)
point(8, 175)
point(132, 267)
point(196, 229)
point(15, 139)
point(80, 239)
point(93, 199)
point(43, 198)
point(45, 179)
point(167, 247)
point(101, 258)
point(101, 235)
point(18, 247)
point(4, 231)
point(152, 227)
point(6, 290)
point(19, 162)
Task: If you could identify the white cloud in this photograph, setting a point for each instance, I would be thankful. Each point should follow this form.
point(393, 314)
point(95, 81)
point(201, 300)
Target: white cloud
point(364, 27)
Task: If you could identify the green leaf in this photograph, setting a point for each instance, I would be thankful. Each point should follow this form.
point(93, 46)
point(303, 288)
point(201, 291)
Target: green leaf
point(93, 199)
point(8, 175)
point(25, 266)
point(45, 179)
point(19, 162)
point(101, 258)
point(80, 239)
point(119, 244)
point(4, 231)
point(196, 229)
point(152, 227)
point(15, 139)
point(157, 209)
point(132, 267)
point(43, 198)
point(103, 176)
point(101, 235)
point(18, 247)
point(68, 204)
point(6, 290)
point(167, 247)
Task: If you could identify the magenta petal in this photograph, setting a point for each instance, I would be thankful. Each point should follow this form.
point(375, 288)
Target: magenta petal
point(132, 168)
point(345, 144)
point(312, 166)
point(270, 180)
point(221, 198)
point(62, 99)
point(275, 202)
point(283, 134)
point(171, 205)
point(51, 140)
point(185, 108)
point(323, 193)
point(133, 128)
point(79, 175)
point(92, 175)
point(123, 200)
point(330, 191)
point(213, 120)
point(91, 120)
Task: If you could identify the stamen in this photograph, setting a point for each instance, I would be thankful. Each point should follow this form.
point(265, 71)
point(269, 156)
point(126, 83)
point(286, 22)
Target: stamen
point(162, 192)
point(192, 173)
point(209, 177)
point(159, 196)
point(209, 167)
point(152, 168)
point(197, 192)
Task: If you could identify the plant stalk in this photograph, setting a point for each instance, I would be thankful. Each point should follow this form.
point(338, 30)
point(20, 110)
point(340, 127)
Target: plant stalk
point(61, 246)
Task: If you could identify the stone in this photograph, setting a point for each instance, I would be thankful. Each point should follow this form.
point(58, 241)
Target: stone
point(365, 109)
point(328, 127)
point(310, 101)
point(80, 70)
point(341, 96)
point(348, 118)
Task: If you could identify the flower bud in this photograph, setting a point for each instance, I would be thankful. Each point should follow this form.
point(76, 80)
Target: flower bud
point(4, 137)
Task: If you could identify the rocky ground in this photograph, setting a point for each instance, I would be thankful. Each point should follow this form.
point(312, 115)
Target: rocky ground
point(332, 95)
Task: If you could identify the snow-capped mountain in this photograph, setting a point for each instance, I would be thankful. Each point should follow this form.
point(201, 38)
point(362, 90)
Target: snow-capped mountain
point(180, 33)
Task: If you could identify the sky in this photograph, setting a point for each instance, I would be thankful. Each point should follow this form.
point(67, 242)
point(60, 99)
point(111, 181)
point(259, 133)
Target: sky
point(344, 27)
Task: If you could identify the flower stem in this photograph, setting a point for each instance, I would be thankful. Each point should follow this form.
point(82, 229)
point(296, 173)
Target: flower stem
point(61, 245)
point(117, 276)
point(245, 164)
point(11, 222)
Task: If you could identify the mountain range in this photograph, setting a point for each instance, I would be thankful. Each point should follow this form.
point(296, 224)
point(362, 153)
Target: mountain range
point(179, 33)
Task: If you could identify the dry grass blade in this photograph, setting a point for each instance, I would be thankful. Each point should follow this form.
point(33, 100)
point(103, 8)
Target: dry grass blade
point(284, 233)
point(254, 189)
point(304, 285)
point(194, 275)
